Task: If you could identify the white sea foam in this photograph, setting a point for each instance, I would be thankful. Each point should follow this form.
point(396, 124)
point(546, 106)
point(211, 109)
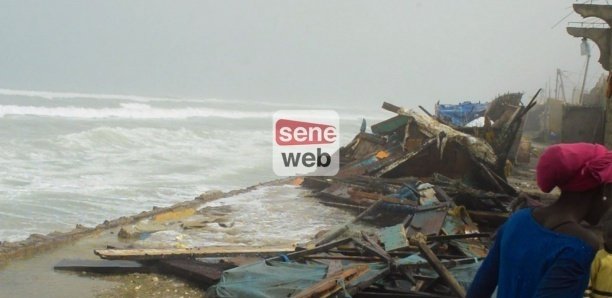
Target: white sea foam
point(51, 95)
point(62, 172)
point(128, 111)
point(78, 95)
point(101, 172)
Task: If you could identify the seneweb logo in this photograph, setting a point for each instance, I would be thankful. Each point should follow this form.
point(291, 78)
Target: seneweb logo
point(305, 143)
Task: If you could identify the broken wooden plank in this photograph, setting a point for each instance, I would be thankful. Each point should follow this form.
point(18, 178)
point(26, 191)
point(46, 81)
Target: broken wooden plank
point(366, 280)
point(306, 252)
point(101, 266)
point(332, 284)
point(433, 260)
point(211, 251)
point(205, 274)
point(373, 247)
point(390, 107)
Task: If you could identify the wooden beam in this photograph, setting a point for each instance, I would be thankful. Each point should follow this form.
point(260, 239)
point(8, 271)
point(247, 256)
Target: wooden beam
point(433, 260)
point(306, 252)
point(205, 274)
point(349, 258)
point(101, 266)
point(390, 107)
point(211, 251)
point(373, 247)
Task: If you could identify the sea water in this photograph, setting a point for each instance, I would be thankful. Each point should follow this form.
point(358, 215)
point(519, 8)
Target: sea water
point(80, 158)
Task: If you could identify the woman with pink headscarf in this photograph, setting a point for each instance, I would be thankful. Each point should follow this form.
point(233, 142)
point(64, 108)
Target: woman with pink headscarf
point(545, 252)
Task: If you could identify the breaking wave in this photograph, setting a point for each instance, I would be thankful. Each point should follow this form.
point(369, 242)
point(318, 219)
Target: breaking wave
point(77, 95)
point(128, 111)
point(53, 95)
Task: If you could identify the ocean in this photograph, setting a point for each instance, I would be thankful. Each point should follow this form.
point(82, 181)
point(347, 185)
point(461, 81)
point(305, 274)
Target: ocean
point(80, 158)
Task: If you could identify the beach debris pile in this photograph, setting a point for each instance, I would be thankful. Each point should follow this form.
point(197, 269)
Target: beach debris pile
point(427, 198)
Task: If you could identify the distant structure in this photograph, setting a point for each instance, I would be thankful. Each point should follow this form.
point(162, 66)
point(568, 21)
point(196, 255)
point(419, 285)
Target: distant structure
point(601, 34)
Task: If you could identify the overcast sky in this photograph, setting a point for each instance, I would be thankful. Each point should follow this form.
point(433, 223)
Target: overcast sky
point(407, 52)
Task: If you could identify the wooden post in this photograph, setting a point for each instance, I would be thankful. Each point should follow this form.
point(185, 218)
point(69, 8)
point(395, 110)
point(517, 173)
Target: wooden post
point(440, 269)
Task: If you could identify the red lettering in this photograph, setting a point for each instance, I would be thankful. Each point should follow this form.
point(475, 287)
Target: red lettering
point(291, 132)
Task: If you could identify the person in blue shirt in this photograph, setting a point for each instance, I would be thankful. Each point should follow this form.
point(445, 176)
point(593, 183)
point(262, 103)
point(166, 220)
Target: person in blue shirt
point(546, 252)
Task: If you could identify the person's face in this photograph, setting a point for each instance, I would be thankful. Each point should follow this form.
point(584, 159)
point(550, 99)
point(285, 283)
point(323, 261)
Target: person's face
point(599, 205)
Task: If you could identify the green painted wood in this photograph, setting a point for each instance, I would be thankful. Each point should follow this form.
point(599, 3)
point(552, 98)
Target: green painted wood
point(393, 237)
point(390, 125)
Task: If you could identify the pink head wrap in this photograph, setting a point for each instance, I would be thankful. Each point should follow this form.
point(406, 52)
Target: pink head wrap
point(574, 167)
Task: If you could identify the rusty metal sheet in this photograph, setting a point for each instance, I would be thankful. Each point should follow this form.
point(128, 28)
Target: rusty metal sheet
point(427, 222)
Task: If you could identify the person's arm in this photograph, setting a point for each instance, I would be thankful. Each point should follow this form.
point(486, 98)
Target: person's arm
point(486, 278)
point(567, 277)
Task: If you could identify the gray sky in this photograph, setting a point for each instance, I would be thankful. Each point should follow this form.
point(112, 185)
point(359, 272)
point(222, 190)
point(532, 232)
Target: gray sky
point(407, 52)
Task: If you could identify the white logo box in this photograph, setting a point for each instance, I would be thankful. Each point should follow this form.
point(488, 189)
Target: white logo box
point(305, 143)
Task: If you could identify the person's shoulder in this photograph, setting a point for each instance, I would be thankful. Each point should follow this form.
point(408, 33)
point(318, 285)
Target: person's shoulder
point(519, 217)
point(601, 254)
point(581, 233)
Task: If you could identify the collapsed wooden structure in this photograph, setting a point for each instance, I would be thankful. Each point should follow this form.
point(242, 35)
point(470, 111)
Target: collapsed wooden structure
point(428, 197)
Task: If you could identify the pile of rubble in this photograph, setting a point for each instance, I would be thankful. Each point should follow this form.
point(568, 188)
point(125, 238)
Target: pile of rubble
point(428, 195)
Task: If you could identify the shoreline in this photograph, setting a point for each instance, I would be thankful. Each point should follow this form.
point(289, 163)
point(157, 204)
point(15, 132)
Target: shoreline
point(39, 243)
